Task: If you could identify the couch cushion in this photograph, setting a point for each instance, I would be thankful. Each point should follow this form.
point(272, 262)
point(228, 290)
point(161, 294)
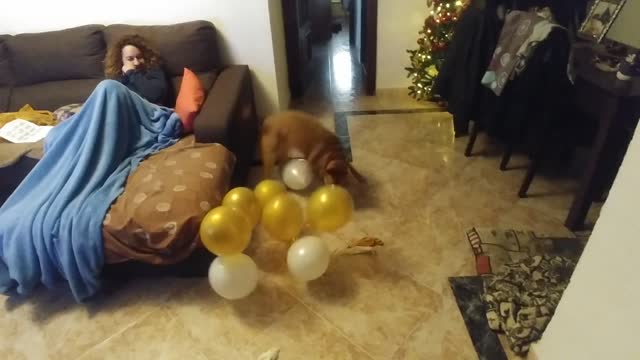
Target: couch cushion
point(190, 99)
point(157, 218)
point(5, 71)
point(75, 53)
point(5, 92)
point(52, 95)
point(192, 44)
point(206, 79)
point(66, 111)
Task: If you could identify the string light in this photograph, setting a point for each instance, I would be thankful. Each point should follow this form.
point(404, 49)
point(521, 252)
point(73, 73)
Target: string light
point(433, 41)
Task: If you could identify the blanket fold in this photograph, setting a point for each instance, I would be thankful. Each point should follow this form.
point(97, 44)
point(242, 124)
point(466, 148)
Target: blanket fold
point(51, 226)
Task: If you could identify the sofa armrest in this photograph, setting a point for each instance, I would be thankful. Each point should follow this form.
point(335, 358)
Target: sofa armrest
point(228, 117)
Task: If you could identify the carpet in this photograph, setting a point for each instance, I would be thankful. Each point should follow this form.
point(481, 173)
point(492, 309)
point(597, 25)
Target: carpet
point(468, 293)
point(493, 250)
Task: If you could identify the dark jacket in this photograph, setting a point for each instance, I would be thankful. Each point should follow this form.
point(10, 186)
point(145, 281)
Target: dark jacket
point(151, 84)
point(468, 55)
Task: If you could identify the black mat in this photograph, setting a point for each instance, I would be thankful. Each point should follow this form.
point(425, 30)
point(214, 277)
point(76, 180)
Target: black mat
point(467, 291)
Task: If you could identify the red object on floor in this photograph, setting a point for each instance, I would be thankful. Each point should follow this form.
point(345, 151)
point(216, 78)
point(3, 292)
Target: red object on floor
point(483, 264)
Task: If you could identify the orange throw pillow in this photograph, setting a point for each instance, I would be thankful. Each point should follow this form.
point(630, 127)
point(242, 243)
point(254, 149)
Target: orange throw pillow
point(190, 100)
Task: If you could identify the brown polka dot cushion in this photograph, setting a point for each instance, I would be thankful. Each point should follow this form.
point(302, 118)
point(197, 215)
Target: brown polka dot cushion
point(156, 219)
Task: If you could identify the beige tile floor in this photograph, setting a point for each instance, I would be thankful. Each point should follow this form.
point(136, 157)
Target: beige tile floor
point(422, 194)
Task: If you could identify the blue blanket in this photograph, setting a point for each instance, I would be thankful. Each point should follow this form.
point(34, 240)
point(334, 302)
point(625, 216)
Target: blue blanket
point(51, 226)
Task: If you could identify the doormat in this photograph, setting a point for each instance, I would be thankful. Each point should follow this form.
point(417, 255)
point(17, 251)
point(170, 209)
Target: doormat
point(468, 293)
point(494, 248)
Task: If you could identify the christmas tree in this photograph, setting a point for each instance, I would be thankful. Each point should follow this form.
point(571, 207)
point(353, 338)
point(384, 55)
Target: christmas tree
point(433, 41)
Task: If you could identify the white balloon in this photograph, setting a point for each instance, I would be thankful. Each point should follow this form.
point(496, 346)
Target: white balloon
point(308, 258)
point(297, 174)
point(233, 277)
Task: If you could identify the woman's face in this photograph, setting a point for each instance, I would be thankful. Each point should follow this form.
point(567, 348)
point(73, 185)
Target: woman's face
point(132, 57)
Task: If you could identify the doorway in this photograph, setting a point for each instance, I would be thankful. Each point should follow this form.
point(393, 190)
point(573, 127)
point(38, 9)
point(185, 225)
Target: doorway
point(331, 49)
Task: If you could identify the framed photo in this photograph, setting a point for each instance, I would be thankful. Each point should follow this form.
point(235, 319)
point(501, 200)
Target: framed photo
point(602, 14)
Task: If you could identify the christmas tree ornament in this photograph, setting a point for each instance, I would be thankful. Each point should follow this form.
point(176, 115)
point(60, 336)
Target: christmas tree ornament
point(433, 42)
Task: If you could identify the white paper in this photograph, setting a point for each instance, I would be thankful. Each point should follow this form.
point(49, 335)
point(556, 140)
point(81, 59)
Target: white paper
point(22, 131)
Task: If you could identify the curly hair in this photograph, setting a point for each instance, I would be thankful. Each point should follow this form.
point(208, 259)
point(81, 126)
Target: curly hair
point(113, 60)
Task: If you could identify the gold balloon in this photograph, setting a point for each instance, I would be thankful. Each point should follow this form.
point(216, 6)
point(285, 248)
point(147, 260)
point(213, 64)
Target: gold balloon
point(242, 199)
point(283, 217)
point(329, 208)
point(225, 231)
point(267, 189)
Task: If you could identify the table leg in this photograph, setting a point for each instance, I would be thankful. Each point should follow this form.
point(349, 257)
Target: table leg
point(590, 178)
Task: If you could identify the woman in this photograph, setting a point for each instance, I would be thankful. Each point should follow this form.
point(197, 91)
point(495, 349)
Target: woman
point(51, 225)
point(135, 64)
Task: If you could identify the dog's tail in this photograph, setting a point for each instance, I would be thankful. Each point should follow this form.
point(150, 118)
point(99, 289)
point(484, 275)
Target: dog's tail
point(361, 179)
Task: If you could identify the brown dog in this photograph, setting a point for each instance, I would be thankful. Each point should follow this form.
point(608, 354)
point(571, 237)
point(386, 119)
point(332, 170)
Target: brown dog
point(301, 135)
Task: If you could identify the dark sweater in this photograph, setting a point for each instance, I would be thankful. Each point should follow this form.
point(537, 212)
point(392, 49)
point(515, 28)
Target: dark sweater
point(151, 84)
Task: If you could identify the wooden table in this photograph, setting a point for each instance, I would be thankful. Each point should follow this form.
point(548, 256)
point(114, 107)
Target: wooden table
point(616, 106)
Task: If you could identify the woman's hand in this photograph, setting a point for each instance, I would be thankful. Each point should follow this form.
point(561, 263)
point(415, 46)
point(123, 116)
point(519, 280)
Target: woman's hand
point(127, 66)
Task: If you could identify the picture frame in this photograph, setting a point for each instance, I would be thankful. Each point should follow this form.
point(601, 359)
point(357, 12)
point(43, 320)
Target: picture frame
point(600, 18)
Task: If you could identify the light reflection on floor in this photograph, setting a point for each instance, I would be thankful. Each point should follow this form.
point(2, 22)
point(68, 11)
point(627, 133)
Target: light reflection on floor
point(333, 75)
point(342, 72)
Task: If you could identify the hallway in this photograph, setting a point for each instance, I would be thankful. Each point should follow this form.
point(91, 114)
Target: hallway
point(334, 75)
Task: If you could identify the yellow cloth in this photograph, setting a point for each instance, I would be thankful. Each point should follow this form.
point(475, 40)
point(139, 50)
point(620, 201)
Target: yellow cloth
point(38, 117)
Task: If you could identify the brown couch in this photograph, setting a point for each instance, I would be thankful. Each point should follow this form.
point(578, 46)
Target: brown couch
point(52, 69)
